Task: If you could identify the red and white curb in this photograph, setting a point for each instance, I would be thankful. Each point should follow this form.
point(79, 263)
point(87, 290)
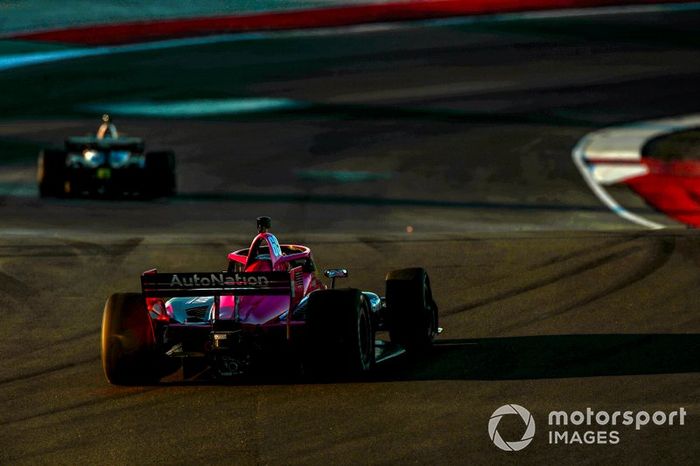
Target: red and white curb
point(352, 13)
point(614, 155)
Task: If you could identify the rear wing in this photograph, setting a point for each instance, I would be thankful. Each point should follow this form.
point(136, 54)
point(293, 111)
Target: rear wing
point(78, 143)
point(168, 285)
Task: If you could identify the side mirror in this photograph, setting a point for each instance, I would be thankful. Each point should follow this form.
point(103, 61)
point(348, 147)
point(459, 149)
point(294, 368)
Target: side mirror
point(335, 273)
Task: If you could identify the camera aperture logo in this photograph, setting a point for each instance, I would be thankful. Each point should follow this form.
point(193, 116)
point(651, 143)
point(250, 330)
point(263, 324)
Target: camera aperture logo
point(585, 427)
point(529, 427)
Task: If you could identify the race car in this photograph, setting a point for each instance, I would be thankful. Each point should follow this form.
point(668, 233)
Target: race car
point(268, 310)
point(106, 164)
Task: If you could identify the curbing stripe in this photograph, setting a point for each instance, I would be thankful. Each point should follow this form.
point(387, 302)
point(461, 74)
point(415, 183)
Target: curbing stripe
point(579, 156)
point(611, 155)
point(574, 9)
point(338, 16)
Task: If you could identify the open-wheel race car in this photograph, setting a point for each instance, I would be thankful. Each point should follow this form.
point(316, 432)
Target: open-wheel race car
point(268, 308)
point(106, 165)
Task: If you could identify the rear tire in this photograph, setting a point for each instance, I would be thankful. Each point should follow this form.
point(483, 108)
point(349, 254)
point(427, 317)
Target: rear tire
point(160, 174)
point(51, 173)
point(340, 333)
point(128, 342)
point(413, 314)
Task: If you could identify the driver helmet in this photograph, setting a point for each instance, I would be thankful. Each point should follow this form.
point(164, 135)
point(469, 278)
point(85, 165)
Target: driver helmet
point(107, 129)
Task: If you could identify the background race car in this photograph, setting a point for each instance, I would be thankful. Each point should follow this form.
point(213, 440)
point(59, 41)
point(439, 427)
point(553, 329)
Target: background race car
point(106, 164)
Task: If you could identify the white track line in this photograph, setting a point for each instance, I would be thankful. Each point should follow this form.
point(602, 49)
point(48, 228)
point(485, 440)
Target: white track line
point(611, 155)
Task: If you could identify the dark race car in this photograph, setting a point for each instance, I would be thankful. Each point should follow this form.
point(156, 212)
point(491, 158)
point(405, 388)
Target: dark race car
point(267, 309)
point(106, 164)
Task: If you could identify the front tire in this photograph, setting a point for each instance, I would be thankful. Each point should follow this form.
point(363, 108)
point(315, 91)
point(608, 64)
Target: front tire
point(128, 342)
point(340, 333)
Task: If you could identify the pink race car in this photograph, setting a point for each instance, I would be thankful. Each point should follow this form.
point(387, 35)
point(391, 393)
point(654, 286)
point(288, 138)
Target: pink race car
point(268, 307)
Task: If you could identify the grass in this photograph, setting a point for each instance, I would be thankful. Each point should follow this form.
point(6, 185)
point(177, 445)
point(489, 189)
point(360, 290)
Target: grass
point(14, 47)
point(216, 71)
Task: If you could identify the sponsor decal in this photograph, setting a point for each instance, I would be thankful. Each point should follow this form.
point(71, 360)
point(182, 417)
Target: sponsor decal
point(274, 244)
point(218, 280)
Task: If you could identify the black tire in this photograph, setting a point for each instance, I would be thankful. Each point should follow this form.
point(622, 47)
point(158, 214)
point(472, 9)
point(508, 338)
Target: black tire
point(51, 173)
point(128, 342)
point(340, 339)
point(160, 174)
point(413, 314)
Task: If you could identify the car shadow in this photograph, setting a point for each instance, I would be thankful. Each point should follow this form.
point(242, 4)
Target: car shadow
point(549, 357)
point(513, 358)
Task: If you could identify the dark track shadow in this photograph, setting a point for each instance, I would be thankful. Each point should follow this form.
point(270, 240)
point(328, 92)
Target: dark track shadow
point(548, 357)
point(514, 358)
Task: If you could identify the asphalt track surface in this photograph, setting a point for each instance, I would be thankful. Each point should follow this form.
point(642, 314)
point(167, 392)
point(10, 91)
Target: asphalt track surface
point(471, 129)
